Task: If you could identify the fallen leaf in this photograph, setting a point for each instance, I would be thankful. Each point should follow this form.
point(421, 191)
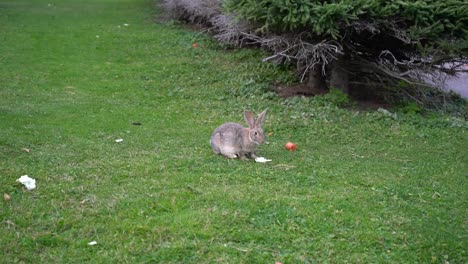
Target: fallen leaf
point(26, 150)
point(10, 223)
point(6, 197)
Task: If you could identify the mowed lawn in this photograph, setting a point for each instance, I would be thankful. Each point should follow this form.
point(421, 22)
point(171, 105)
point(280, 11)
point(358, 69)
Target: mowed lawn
point(75, 76)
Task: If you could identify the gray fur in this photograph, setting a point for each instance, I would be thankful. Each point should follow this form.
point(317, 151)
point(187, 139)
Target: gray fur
point(232, 140)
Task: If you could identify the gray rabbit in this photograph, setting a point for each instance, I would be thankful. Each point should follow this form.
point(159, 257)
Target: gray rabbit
point(232, 140)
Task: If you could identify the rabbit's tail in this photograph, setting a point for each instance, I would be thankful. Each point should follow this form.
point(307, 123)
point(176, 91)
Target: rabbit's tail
point(216, 142)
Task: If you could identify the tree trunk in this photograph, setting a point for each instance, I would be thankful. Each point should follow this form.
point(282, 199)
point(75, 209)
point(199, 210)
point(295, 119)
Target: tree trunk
point(339, 78)
point(315, 81)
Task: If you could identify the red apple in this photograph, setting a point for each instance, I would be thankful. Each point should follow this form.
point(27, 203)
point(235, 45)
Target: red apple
point(290, 146)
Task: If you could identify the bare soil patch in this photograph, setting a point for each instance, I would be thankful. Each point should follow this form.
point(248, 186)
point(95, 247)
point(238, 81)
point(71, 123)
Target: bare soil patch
point(362, 102)
point(298, 90)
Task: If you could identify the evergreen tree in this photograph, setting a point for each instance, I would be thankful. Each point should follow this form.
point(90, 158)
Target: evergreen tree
point(360, 41)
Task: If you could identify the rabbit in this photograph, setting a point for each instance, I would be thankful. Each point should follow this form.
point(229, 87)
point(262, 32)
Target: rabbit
point(232, 140)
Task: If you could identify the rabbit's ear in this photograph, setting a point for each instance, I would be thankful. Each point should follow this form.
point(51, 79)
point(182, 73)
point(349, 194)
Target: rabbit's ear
point(261, 118)
point(249, 118)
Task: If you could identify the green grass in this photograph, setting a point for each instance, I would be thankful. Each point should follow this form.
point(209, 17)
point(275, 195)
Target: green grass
point(362, 187)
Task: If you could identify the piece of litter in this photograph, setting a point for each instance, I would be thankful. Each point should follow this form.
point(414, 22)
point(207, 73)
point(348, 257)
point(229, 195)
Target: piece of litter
point(119, 140)
point(387, 113)
point(28, 182)
point(10, 223)
point(6, 197)
point(26, 150)
point(262, 159)
point(125, 25)
point(92, 243)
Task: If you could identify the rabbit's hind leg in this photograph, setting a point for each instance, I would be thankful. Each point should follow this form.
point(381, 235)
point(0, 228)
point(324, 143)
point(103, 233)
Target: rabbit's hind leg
point(230, 156)
point(229, 152)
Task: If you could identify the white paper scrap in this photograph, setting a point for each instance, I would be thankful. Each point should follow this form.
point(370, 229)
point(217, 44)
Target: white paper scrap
point(387, 113)
point(261, 159)
point(119, 140)
point(28, 182)
point(92, 243)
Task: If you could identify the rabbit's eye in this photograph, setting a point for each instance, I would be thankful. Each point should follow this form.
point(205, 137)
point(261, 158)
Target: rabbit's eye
point(255, 133)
